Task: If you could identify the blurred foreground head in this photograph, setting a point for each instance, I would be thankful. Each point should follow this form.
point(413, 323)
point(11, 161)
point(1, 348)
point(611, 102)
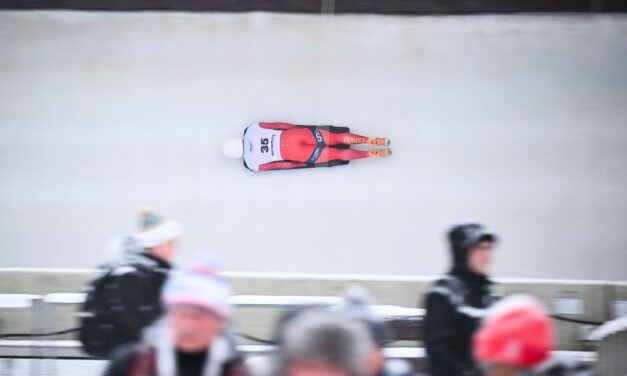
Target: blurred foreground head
point(517, 335)
point(471, 244)
point(197, 307)
point(320, 342)
point(158, 235)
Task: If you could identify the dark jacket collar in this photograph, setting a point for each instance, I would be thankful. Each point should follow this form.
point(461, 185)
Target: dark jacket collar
point(470, 277)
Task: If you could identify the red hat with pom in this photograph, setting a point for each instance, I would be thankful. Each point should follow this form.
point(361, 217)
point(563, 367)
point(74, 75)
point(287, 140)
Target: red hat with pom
point(517, 332)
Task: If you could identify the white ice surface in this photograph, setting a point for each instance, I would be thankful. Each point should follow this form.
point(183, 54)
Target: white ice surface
point(515, 121)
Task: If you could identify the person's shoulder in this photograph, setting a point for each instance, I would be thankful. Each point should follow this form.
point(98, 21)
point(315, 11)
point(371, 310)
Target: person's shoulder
point(233, 362)
point(235, 367)
point(444, 291)
point(125, 352)
point(252, 126)
point(145, 263)
point(443, 285)
point(123, 357)
point(123, 270)
point(137, 272)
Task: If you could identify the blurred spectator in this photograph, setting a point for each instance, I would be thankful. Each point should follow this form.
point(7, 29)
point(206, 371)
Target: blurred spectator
point(125, 298)
point(358, 307)
point(346, 339)
point(319, 342)
point(192, 339)
point(517, 338)
point(456, 303)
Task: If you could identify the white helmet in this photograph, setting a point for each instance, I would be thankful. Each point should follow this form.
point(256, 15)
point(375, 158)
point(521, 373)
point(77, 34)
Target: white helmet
point(233, 147)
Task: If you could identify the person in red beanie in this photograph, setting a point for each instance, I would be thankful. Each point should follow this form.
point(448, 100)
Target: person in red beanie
point(517, 338)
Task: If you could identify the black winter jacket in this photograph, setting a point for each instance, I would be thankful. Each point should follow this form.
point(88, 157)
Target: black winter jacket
point(455, 305)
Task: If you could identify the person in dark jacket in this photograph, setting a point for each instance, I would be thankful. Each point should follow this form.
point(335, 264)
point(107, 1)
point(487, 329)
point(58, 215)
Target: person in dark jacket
point(125, 298)
point(192, 339)
point(456, 303)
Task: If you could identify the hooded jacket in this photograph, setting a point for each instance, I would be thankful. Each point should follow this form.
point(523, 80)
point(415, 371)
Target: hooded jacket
point(455, 305)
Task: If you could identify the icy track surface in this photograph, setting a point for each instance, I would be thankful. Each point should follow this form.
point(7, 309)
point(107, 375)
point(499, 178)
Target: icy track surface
point(515, 121)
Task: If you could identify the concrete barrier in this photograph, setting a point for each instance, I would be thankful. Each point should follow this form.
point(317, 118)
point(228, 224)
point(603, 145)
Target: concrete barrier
point(593, 301)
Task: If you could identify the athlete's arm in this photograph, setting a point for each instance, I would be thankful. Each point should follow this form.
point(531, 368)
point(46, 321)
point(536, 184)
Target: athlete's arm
point(281, 165)
point(278, 126)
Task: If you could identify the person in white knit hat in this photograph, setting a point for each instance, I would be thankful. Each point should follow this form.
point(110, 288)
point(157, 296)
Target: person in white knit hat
point(192, 338)
point(125, 297)
point(158, 236)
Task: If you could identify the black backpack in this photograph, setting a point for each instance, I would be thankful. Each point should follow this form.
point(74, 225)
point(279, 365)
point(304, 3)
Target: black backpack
point(98, 332)
point(104, 308)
